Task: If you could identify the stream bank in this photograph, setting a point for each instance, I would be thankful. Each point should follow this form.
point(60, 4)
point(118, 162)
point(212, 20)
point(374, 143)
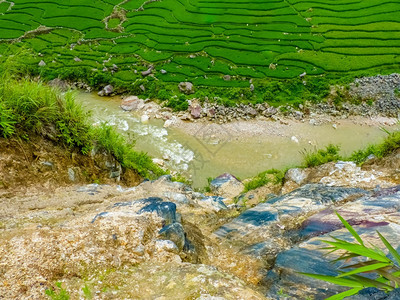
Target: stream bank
point(201, 149)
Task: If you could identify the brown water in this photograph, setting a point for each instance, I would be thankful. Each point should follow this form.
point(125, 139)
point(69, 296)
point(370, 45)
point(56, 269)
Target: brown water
point(201, 154)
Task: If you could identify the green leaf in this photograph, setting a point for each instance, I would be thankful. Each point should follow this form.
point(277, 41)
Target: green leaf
point(350, 229)
point(361, 250)
point(366, 282)
point(390, 248)
point(342, 295)
point(336, 280)
point(365, 269)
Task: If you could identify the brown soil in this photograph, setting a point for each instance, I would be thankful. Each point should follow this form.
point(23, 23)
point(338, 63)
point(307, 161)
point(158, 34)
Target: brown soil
point(45, 165)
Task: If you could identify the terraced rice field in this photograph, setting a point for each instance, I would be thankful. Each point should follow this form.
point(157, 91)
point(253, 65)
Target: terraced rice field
point(203, 40)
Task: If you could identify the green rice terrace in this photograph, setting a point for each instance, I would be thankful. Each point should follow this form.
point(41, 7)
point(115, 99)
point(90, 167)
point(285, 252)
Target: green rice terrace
point(215, 43)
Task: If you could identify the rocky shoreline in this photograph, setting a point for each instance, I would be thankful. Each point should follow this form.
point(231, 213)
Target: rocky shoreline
point(368, 97)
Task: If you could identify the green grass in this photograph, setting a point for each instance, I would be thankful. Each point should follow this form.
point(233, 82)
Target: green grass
point(29, 107)
point(322, 156)
point(388, 146)
point(273, 175)
point(201, 41)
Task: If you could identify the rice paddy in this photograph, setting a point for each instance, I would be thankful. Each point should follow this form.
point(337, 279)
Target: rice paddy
point(202, 40)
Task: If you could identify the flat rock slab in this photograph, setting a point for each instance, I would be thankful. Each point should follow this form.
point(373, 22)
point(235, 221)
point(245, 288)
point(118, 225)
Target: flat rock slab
point(309, 198)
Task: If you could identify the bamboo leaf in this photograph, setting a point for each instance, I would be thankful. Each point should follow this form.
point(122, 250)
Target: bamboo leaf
point(350, 229)
point(361, 250)
point(390, 248)
point(367, 268)
point(389, 276)
point(361, 264)
point(336, 280)
point(367, 282)
point(342, 295)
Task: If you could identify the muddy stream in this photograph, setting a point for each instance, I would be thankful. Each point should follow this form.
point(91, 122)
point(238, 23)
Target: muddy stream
point(202, 149)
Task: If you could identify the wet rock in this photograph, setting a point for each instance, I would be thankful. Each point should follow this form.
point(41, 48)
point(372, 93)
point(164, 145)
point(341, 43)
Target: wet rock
point(371, 294)
point(186, 87)
point(367, 214)
point(308, 198)
point(148, 71)
point(213, 203)
point(132, 103)
point(106, 91)
point(175, 233)
point(226, 185)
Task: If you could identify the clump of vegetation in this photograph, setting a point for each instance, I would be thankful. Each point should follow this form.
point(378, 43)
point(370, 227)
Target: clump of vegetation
point(122, 149)
point(177, 103)
point(370, 260)
point(322, 156)
point(389, 145)
point(28, 107)
point(61, 294)
point(272, 175)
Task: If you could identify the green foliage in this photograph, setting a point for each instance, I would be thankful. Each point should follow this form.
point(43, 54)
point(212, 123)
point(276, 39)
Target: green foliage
point(29, 107)
point(273, 175)
point(389, 145)
point(122, 149)
point(178, 103)
point(322, 156)
point(87, 292)
point(369, 260)
point(61, 294)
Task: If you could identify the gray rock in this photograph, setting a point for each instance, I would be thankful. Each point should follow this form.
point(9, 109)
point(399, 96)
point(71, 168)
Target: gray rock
point(77, 59)
point(175, 233)
point(132, 103)
point(227, 77)
point(214, 203)
point(71, 174)
point(106, 91)
point(226, 185)
point(186, 87)
point(195, 110)
point(41, 63)
point(297, 175)
point(310, 197)
point(148, 71)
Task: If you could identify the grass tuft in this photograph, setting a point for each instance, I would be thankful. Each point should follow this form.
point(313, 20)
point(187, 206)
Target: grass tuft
point(322, 156)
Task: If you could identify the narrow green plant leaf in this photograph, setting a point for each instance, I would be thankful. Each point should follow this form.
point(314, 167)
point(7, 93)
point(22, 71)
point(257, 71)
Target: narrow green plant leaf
point(350, 229)
point(361, 264)
point(336, 280)
point(364, 269)
point(361, 250)
point(392, 251)
point(345, 294)
point(367, 282)
point(389, 276)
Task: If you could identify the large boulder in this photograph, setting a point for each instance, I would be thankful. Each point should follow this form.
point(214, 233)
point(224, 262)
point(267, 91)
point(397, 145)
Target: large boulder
point(106, 91)
point(186, 87)
point(132, 103)
point(226, 185)
point(195, 110)
point(283, 211)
